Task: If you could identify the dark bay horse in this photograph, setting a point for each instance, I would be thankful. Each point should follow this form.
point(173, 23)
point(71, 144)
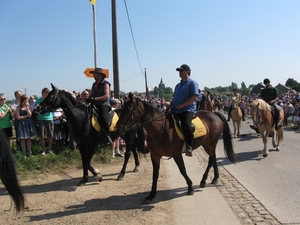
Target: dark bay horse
point(8, 173)
point(263, 120)
point(79, 117)
point(163, 139)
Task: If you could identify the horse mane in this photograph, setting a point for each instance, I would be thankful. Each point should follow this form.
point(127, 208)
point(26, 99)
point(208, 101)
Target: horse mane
point(262, 105)
point(149, 108)
point(71, 96)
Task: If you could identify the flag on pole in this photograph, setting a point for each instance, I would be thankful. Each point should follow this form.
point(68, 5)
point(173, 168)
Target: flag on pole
point(93, 2)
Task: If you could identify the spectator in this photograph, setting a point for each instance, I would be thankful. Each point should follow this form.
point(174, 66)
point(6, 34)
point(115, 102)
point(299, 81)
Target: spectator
point(297, 115)
point(84, 95)
point(32, 102)
point(26, 128)
point(5, 118)
point(46, 125)
point(13, 107)
point(289, 110)
point(59, 131)
point(115, 147)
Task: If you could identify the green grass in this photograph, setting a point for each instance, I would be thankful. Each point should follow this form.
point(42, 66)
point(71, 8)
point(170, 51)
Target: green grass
point(53, 163)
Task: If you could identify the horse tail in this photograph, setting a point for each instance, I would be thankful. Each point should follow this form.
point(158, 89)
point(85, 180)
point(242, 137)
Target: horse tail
point(280, 135)
point(227, 139)
point(8, 173)
point(139, 141)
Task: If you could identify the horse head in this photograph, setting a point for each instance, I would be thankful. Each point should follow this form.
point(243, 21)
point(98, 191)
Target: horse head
point(234, 103)
point(50, 102)
point(129, 116)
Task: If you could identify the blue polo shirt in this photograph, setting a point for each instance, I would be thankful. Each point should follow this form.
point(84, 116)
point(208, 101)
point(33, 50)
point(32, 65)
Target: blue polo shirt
point(183, 91)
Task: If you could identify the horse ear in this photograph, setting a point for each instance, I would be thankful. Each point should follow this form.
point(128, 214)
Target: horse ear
point(53, 87)
point(131, 96)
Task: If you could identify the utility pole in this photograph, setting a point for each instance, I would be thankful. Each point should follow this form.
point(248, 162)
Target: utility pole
point(115, 50)
point(147, 91)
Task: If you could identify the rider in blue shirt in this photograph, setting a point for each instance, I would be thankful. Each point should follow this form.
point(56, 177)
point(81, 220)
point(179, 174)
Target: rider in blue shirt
point(184, 104)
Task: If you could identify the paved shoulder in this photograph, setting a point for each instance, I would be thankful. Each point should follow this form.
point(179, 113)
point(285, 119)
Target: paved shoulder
point(206, 206)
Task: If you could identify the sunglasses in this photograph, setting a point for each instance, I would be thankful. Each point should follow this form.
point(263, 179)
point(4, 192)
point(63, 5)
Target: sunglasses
point(3, 99)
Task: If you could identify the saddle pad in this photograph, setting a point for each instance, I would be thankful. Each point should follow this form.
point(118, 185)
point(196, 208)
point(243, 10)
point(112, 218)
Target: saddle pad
point(97, 126)
point(200, 129)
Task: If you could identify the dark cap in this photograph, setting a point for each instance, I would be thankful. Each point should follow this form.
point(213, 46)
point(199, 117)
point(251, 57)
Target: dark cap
point(98, 71)
point(183, 67)
point(266, 81)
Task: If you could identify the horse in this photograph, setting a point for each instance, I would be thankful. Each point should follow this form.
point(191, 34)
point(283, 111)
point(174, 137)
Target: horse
point(202, 104)
point(79, 116)
point(163, 139)
point(8, 174)
point(217, 104)
point(209, 104)
point(236, 117)
point(263, 120)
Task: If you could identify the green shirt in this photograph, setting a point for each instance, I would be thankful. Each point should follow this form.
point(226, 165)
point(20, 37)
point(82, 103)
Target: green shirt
point(5, 121)
point(45, 116)
point(269, 94)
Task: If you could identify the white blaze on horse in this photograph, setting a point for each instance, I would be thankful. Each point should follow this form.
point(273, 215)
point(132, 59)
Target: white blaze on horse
point(236, 116)
point(263, 119)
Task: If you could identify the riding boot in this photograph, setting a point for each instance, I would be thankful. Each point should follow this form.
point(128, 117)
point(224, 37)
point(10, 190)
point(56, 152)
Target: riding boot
point(229, 114)
point(189, 151)
point(243, 114)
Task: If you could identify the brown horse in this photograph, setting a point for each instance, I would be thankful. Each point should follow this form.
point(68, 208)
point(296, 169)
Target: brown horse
point(164, 140)
point(217, 104)
point(209, 105)
point(236, 116)
point(263, 119)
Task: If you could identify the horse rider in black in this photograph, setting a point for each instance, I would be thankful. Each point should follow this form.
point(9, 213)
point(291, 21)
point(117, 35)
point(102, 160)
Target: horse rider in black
point(238, 99)
point(100, 96)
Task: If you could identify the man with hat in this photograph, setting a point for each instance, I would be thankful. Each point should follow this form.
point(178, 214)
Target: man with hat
point(100, 95)
point(184, 104)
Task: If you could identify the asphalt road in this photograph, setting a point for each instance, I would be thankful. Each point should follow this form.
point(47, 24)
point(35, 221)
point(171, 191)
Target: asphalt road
point(274, 181)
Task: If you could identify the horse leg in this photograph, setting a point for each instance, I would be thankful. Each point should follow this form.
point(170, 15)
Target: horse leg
point(136, 160)
point(85, 166)
point(216, 170)
point(155, 159)
point(96, 173)
point(265, 140)
point(205, 175)
point(126, 158)
point(234, 129)
point(180, 163)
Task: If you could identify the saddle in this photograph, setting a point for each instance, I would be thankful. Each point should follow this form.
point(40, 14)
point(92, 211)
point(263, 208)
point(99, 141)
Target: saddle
point(112, 119)
point(198, 127)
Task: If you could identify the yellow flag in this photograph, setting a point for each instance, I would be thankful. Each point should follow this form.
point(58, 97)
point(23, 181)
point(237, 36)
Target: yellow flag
point(93, 2)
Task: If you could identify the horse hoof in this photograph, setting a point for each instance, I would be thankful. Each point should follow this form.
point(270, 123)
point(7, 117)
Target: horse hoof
point(98, 177)
point(265, 155)
point(136, 169)
point(147, 201)
point(120, 177)
point(190, 192)
point(202, 185)
point(215, 182)
point(81, 183)
point(277, 149)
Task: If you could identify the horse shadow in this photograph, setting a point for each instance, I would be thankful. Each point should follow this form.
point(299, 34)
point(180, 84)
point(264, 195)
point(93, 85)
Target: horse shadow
point(116, 203)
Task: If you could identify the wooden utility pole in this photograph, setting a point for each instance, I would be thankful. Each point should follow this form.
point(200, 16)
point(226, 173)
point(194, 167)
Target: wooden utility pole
point(147, 91)
point(115, 50)
point(95, 35)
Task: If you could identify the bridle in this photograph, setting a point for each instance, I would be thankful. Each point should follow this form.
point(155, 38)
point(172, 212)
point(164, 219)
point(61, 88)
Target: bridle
point(259, 121)
point(133, 113)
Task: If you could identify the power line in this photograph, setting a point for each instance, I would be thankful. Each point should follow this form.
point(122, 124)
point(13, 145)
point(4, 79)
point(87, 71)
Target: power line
point(132, 36)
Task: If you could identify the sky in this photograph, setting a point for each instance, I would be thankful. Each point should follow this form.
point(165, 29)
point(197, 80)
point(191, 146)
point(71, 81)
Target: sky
point(223, 41)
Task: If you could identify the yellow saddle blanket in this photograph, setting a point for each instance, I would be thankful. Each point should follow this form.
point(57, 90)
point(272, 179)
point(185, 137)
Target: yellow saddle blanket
point(97, 126)
point(200, 129)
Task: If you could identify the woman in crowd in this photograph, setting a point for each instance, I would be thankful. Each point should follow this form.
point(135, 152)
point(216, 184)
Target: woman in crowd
point(5, 118)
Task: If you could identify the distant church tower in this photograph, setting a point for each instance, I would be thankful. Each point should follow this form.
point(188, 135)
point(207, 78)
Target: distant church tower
point(161, 85)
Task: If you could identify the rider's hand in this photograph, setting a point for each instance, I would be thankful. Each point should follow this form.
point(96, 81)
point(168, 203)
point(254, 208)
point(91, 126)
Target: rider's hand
point(90, 100)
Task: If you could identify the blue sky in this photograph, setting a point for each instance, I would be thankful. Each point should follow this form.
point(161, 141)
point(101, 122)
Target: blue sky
point(223, 41)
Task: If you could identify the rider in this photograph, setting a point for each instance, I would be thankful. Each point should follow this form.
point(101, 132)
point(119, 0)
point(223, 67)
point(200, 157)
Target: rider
point(100, 96)
point(270, 95)
point(184, 103)
point(238, 100)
